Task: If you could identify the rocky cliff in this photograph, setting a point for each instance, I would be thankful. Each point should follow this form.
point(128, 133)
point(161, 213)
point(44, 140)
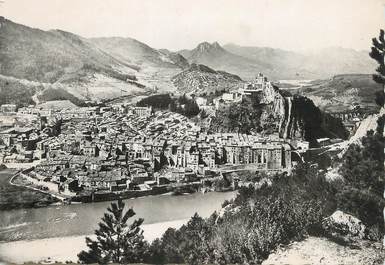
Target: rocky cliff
point(271, 111)
point(299, 117)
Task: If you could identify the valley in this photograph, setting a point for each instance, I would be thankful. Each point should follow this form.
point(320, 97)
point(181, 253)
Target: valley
point(231, 153)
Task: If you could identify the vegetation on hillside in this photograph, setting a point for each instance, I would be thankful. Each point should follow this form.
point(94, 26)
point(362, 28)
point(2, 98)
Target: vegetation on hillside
point(364, 181)
point(255, 224)
point(159, 101)
point(13, 92)
point(183, 105)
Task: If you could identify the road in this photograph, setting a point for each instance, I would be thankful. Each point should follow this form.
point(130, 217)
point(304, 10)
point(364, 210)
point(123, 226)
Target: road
point(12, 196)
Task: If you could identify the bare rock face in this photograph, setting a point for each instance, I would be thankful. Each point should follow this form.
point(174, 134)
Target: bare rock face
point(281, 108)
point(345, 224)
point(270, 111)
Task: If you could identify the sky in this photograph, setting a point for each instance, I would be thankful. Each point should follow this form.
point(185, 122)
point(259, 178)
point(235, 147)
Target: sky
point(296, 25)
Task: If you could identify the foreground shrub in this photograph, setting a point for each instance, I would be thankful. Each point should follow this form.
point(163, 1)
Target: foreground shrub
point(116, 241)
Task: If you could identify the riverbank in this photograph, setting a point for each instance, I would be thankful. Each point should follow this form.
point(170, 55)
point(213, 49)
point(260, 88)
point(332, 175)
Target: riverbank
point(62, 249)
point(18, 196)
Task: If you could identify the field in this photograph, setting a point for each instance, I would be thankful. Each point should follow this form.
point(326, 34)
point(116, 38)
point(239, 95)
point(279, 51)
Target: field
point(13, 197)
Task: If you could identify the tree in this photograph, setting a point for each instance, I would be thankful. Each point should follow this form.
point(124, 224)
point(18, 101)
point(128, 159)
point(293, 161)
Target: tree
point(377, 53)
point(116, 241)
point(196, 236)
point(363, 171)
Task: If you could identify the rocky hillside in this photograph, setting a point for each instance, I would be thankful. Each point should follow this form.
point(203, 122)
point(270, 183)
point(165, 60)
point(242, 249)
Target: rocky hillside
point(342, 92)
point(155, 68)
point(202, 79)
point(139, 54)
point(280, 64)
point(53, 56)
point(86, 68)
point(318, 250)
point(62, 60)
point(272, 112)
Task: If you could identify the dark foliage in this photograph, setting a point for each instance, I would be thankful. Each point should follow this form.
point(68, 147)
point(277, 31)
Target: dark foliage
point(259, 221)
point(315, 123)
point(183, 105)
point(186, 106)
point(380, 98)
point(12, 92)
point(116, 241)
point(363, 171)
point(161, 101)
point(377, 53)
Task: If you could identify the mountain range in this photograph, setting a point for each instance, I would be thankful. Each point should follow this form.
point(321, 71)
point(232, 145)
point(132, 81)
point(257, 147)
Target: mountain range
point(97, 68)
point(280, 64)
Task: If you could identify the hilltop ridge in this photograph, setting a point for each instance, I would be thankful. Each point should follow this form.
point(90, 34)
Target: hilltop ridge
point(200, 79)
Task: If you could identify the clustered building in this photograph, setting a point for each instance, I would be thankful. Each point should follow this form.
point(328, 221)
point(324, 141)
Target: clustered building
point(259, 85)
point(122, 147)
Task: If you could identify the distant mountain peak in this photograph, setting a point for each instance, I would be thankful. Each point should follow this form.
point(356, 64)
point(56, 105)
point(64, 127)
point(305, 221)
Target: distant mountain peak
point(207, 47)
point(204, 46)
point(216, 45)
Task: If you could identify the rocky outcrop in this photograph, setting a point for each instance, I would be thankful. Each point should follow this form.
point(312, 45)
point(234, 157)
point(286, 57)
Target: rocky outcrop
point(345, 224)
point(323, 251)
point(299, 117)
point(271, 111)
point(202, 79)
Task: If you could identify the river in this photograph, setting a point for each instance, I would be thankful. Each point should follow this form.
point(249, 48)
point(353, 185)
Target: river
point(82, 219)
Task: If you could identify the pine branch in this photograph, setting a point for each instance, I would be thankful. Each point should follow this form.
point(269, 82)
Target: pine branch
point(376, 55)
point(381, 69)
point(379, 79)
point(379, 45)
point(381, 37)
